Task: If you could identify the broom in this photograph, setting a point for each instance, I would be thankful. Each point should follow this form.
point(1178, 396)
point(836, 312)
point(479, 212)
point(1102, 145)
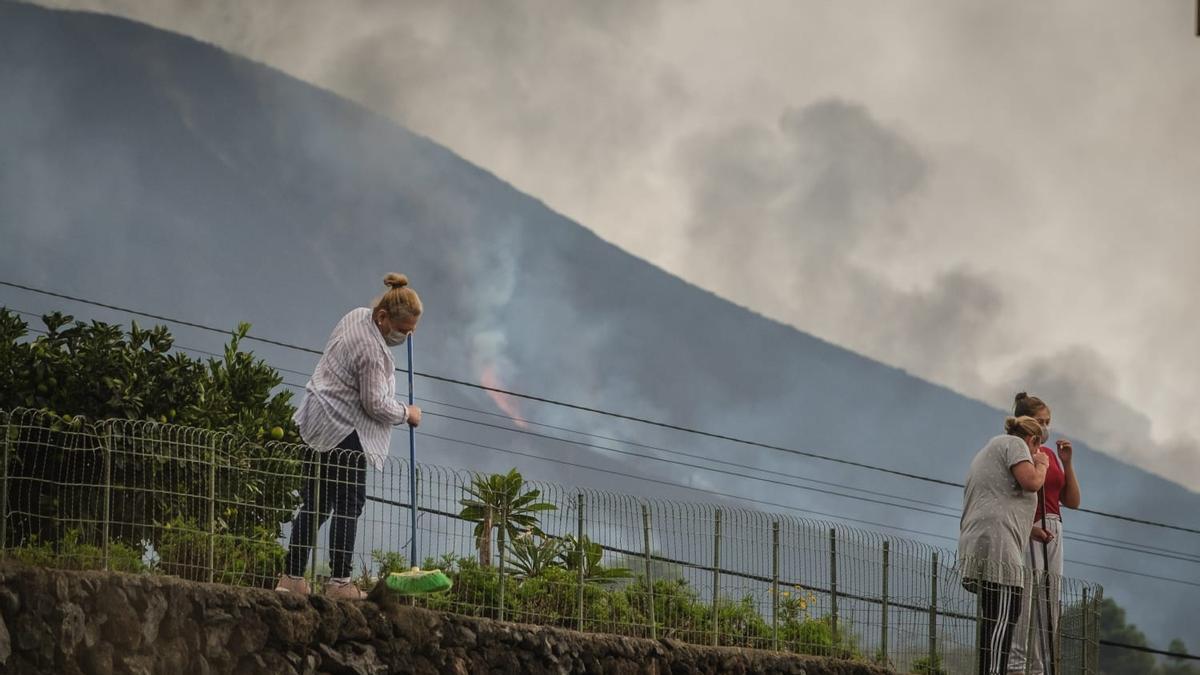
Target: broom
point(415, 581)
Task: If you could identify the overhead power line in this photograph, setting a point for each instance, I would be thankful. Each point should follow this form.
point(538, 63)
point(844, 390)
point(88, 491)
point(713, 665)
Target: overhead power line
point(1131, 546)
point(823, 514)
point(582, 408)
point(1119, 544)
point(1150, 650)
point(1083, 537)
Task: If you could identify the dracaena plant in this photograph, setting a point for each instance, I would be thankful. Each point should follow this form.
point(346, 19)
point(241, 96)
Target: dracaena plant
point(531, 555)
point(592, 553)
point(501, 500)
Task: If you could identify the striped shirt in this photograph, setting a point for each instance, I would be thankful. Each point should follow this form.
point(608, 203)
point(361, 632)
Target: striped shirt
point(352, 389)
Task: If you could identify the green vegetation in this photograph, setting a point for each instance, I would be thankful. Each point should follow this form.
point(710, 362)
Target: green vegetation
point(114, 434)
point(551, 597)
point(1117, 661)
point(133, 474)
point(501, 501)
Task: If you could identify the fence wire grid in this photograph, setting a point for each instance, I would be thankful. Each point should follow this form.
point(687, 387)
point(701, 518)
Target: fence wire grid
point(140, 496)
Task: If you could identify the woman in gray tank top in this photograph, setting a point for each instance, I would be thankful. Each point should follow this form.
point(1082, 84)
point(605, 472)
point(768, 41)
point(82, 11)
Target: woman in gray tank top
point(998, 504)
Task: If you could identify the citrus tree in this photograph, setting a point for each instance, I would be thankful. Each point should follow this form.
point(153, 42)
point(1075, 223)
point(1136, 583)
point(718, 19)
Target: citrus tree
point(180, 417)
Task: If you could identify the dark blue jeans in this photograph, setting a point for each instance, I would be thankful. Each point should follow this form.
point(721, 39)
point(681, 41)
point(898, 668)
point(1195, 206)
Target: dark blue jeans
point(341, 475)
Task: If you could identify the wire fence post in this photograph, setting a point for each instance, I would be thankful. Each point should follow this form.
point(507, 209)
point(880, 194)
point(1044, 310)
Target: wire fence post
point(980, 628)
point(833, 585)
point(883, 628)
point(933, 599)
point(4, 484)
point(1055, 627)
point(716, 590)
point(1083, 612)
point(212, 505)
point(106, 524)
point(315, 507)
point(581, 559)
point(649, 572)
point(1097, 598)
point(1032, 623)
point(500, 541)
point(775, 585)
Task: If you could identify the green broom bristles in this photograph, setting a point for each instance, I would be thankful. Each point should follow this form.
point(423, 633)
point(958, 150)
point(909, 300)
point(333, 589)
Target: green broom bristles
point(413, 582)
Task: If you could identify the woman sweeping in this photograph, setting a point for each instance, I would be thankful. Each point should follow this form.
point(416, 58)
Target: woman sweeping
point(347, 415)
point(998, 504)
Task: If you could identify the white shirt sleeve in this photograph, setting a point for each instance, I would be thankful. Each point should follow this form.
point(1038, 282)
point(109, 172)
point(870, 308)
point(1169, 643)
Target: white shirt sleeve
point(376, 382)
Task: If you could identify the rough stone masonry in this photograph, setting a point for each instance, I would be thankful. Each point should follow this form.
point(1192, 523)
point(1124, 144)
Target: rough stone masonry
point(54, 621)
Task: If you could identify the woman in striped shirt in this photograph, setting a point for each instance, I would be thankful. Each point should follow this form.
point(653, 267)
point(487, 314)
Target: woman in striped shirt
point(347, 415)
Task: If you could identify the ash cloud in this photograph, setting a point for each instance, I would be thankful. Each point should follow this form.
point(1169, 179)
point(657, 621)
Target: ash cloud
point(804, 219)
point(799, 200)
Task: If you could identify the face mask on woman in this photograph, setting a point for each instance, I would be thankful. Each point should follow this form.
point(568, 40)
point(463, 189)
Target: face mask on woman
point(393, 338)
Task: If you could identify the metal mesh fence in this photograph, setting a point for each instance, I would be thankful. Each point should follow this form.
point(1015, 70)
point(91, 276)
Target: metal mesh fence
point(138, 496)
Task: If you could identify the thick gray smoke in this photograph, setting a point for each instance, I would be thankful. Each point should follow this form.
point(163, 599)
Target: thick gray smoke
point(801, 200)
point(916, 241)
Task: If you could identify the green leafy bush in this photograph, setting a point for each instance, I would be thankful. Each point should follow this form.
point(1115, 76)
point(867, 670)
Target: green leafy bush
point(387, 562)
point(65, 470)
point(237, 559)
point(928, 666)
point(70, 552)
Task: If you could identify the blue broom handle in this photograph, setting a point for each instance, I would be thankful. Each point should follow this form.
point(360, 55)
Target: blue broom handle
point(412, 464)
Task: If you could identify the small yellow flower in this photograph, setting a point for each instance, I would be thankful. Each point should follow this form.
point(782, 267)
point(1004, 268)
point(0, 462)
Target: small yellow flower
point(786, 594)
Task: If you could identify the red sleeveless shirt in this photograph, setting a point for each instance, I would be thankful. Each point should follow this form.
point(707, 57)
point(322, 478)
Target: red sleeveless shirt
point(1056, 478)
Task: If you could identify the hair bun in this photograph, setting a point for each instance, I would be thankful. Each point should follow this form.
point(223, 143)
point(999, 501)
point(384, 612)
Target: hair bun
point(1020, 396)
point(394, 280)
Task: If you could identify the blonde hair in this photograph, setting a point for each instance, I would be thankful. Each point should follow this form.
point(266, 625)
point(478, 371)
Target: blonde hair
point(1024, 427)
point(400, 299)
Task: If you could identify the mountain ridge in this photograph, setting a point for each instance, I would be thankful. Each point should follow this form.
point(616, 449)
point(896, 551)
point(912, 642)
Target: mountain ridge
point(166, 173)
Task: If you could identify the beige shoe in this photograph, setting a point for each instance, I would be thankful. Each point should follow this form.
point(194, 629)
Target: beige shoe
point(343, 590)
point(290, 584)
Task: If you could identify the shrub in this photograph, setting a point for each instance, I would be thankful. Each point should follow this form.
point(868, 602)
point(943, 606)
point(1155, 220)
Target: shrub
point(927, 666)
point(77, 372)
point(238, 560)
point(70, 552)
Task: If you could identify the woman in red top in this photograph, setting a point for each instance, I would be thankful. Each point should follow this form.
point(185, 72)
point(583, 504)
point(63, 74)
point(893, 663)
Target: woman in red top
point(1045, 546)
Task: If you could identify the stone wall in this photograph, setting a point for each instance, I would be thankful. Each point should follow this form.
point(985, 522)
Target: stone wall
point(98, 622)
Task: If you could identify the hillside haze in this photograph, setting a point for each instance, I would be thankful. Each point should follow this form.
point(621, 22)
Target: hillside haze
point(146, 169)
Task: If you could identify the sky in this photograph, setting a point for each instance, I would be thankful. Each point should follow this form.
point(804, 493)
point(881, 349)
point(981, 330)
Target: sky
point(993, 196)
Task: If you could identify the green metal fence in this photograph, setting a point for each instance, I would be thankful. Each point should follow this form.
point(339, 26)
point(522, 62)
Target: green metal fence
point(140, 496)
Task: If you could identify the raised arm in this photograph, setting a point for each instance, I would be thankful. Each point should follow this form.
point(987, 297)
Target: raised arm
point(1031, 476)
point(1070, 496)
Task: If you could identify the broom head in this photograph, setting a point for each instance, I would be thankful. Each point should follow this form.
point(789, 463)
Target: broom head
point(415, 582)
